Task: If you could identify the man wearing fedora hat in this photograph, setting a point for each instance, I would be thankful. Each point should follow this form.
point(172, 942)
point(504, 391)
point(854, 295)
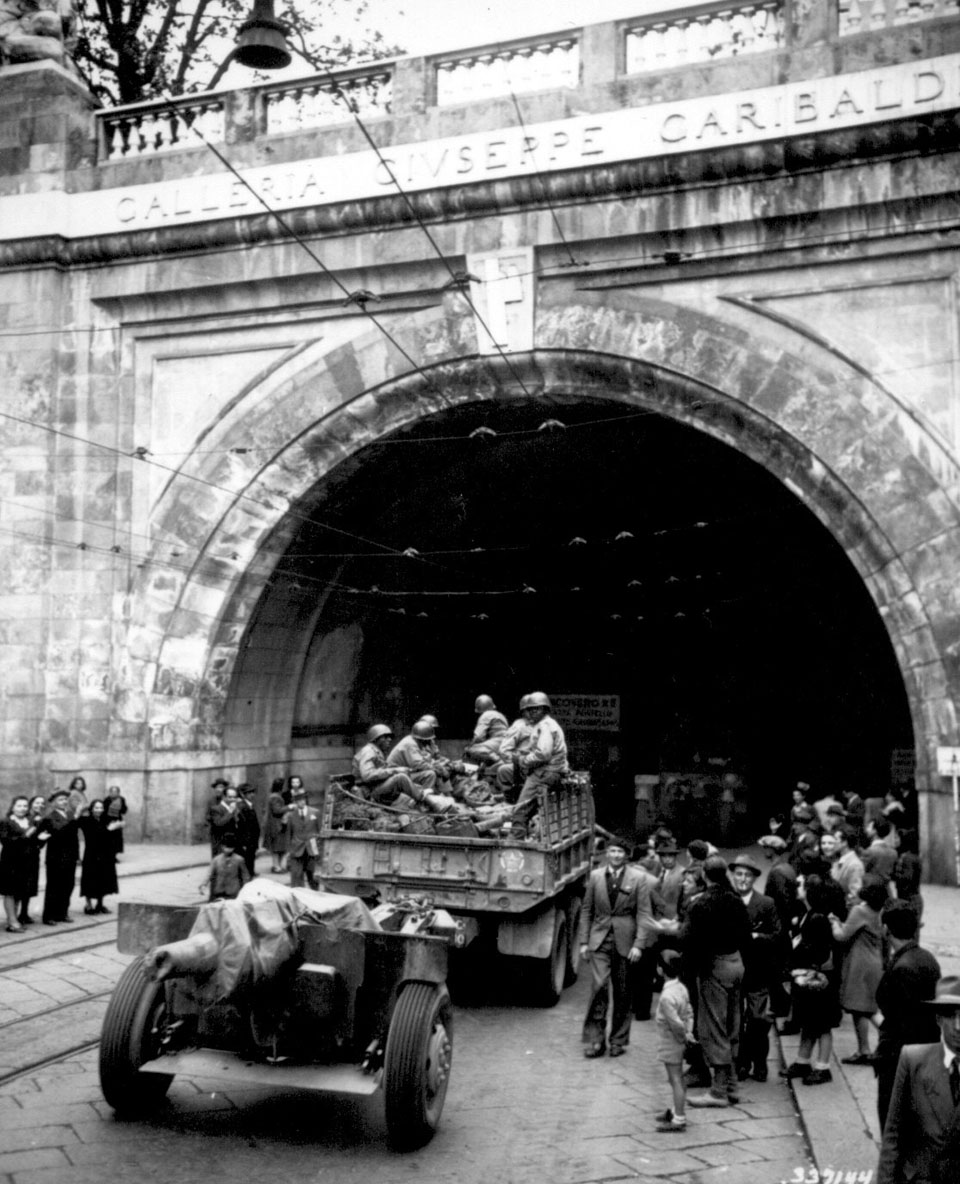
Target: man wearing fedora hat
point(615, 925)
point(759, 969)
point(921, 1137)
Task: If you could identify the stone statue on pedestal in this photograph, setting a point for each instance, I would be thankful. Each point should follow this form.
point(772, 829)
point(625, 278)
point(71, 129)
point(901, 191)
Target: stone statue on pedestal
point(37, 30)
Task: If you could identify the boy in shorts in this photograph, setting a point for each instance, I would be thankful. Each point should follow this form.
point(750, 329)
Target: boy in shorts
point(674, 1020)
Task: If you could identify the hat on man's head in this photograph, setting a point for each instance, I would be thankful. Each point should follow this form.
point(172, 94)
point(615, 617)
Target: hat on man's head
point(218, 782)
point(666, 847)
point(947, 995)
point(618, 841)
point(746, 861)
point(245, 787)
point(772, 844)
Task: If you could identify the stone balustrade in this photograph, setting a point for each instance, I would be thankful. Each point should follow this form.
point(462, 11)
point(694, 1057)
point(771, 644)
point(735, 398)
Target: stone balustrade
point(701, 35)
point(603, 53)
point(865, 16)
point(311, 103)
point(543, 65)
point(148, 128)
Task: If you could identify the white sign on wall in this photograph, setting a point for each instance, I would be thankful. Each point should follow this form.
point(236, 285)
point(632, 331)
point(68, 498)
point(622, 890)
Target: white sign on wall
point(843, 101)
point(948, 761)
point(587, 713)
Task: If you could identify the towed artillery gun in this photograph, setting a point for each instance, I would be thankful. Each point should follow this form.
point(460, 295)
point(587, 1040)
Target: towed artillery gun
point(290, 988)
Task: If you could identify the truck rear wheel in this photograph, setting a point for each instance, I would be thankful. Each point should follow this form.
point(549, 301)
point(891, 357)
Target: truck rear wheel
point(551, 974)
point(417, 1063)
point(131, 1035)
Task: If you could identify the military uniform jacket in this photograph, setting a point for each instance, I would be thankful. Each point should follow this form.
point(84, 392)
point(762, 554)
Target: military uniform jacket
point(370, 765)
point(629, 916)
point(408, 754)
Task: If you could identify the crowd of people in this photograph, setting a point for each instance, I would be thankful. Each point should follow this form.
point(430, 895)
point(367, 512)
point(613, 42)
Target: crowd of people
point(51, 829)
point(833, 933)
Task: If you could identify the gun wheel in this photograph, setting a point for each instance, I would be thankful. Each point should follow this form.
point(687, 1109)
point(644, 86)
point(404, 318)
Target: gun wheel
point(417, 1064)
point(131, 1035)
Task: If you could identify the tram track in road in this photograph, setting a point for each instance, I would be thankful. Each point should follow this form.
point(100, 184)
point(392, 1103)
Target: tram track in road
point(32, 1042)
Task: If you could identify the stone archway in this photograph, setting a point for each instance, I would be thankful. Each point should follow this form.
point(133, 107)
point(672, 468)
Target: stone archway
point(838, 442)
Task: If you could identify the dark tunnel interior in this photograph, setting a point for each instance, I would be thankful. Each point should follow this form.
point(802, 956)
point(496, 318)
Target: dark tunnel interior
point(587, 548)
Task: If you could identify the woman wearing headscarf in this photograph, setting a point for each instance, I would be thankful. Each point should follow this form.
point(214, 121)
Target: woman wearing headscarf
point(98, 872)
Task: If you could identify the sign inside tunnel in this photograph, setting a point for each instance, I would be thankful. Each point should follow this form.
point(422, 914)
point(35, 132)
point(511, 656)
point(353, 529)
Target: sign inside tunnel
point(651, 130)
point(587, 713)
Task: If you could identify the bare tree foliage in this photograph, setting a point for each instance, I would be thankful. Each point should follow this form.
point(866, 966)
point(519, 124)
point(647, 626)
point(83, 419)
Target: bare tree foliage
point(132, 50)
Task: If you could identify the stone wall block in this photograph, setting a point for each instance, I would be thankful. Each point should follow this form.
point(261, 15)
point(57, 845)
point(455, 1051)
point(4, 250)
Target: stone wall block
point(940, 721)
point(20, 735)
point(25, 706)
point(57, 733)
point(127, 736)
point(130, 706)
point(18, 674)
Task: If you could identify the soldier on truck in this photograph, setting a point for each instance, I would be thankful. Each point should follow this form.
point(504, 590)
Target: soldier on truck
point(484, 748)
point(382, 783)
point(383, 780)
point(513, 744)
point(544, 762)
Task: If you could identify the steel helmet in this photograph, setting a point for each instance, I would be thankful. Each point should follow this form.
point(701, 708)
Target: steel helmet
point(484, 703)
point(421, 730)
point(538, 699)
point(378, 731)
point(524, 702)
point(431, 720)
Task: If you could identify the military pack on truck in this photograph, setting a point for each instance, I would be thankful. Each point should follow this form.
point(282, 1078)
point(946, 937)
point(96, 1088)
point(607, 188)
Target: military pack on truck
point(523, 893)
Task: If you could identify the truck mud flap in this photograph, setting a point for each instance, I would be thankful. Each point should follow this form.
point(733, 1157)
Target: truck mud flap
point(527, 937)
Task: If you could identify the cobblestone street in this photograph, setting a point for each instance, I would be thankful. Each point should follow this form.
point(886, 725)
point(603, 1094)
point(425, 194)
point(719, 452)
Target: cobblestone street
point(523, 1106)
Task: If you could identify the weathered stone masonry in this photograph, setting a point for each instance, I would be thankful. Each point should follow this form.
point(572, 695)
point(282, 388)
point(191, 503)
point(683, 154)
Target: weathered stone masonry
point(795, 299)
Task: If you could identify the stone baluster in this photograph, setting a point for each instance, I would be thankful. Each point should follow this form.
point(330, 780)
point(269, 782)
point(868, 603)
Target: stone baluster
point(926, 10)
point(682, 26)
point(116, 139)
point(723, 25)
point(878, 14)
point(744, 34)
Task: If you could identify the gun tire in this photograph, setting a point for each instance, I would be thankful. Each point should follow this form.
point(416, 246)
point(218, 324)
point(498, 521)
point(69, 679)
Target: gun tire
point(417, 1064)
point(131, 1036)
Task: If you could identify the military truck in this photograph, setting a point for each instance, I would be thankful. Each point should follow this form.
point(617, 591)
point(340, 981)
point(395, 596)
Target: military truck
point(526, 894)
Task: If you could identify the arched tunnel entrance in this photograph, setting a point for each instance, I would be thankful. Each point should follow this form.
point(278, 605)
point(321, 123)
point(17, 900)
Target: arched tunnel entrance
point(584, 547)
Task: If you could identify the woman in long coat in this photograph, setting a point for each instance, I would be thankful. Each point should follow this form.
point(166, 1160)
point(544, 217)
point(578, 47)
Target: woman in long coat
point(116, 806)
point(17, 839)
point(98, 872)
point(860, 938)
point(274, 829)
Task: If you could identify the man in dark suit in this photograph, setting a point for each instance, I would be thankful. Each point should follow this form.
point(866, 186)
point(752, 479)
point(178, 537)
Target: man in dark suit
point(63, 852)
point(615, 925)
point(910, 979)
point(921, 1137)
point(759, 970)
point(303, 837)
point(715, 937)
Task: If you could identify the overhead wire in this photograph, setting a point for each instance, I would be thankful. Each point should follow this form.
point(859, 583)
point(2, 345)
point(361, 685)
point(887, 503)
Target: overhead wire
point(463, 285)
point(143, 455)
point(544, 194)
point(599, 265)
